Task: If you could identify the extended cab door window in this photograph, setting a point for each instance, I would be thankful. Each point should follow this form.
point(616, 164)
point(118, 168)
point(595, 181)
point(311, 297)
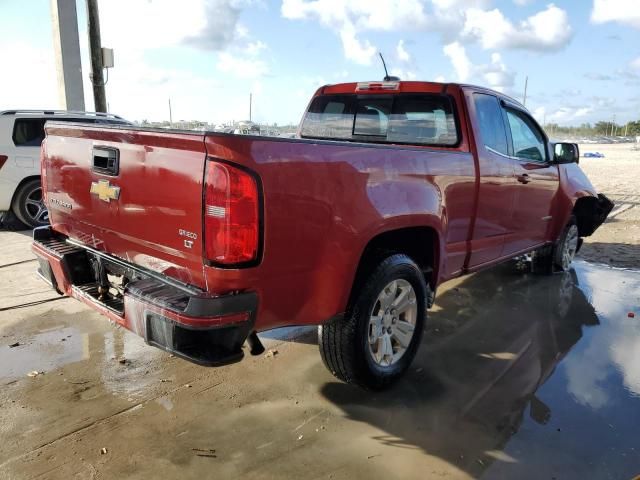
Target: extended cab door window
point(491, 121)
point(424, 119)
point(528, 141)
point(496, 192)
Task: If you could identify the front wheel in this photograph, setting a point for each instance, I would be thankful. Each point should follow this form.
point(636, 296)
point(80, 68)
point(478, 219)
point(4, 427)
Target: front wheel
point(558, 257)
point(567, 248)
point(379, 337)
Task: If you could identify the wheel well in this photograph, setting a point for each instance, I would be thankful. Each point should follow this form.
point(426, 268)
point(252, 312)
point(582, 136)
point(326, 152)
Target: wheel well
point(584, 210)
point(418, 243)
point(19, 186)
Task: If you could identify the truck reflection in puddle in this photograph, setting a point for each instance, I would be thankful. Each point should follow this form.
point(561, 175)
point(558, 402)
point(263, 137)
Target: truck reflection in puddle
point(489, 391)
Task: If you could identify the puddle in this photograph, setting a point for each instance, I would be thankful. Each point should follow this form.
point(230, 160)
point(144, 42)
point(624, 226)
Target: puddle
point(96, 350)
point(609, 357)
point(44, 352)
point(521, 377)
point(132, 378)
point(591, 402)
point(165, 402)
point(518, 376)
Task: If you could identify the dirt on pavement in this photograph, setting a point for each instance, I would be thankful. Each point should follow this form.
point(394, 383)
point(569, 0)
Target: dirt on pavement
point(617, 175)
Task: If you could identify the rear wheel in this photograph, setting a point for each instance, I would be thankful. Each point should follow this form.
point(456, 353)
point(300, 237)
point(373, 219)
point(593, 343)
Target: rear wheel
point(28, 204)
point(379, 337)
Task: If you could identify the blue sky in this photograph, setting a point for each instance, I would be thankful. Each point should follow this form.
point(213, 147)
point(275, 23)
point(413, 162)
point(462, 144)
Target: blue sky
point(582, 57)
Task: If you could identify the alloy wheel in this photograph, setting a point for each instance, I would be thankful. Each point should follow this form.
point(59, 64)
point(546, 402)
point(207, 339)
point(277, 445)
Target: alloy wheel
point(392, 322)
point(35, 208)
point(570, 246)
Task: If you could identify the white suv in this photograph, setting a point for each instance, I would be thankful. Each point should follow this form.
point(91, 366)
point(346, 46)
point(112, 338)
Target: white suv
point(21, 133)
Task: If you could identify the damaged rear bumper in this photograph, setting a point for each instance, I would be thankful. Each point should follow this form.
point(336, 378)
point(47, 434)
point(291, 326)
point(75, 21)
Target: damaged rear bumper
point(202, 328)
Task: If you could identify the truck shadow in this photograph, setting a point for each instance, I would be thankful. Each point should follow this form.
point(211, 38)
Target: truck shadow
point(9, 222)
point(491, 342)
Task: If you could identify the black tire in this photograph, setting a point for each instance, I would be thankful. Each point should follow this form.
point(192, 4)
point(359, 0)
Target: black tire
point(344, 343)
point(28, 206)
point(549, 259)
point(569, 239)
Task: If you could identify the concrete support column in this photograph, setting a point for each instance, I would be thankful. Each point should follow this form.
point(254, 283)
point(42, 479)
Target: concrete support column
point(66, 46)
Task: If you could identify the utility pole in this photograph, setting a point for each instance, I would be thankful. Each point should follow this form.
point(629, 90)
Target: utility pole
point(170, 114)
point(526, 82)
point(66, 47)
point(250, 104)
point(95, 49)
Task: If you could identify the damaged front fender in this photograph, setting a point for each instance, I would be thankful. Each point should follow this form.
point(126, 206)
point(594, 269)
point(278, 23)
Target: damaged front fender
point(591, 212)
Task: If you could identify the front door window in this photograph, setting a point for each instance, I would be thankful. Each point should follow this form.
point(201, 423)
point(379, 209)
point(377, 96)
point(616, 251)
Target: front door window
point(528, 142)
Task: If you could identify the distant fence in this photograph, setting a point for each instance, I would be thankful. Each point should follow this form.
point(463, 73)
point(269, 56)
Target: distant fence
point(594, 139)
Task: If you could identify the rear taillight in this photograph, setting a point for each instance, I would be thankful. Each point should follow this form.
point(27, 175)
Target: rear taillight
point(231, 215)
point(3, 160)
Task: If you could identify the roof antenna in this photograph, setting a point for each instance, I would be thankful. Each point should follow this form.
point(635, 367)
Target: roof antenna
point(387, 78)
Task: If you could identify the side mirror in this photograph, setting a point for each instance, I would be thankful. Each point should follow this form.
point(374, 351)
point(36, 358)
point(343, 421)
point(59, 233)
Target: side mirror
point(566, 153)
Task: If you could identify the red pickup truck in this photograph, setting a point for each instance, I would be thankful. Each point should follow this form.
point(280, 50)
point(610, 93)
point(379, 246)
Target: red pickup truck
point(196, 241)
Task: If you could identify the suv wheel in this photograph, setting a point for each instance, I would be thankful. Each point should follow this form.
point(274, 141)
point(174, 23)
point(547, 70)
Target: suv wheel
point(379, 337)
point(29, 206)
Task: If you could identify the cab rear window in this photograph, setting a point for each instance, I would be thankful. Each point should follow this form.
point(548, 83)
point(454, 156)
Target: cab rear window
point(423, 119)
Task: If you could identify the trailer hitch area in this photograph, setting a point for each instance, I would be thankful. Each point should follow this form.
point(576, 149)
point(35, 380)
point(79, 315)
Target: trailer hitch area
point(100, 275)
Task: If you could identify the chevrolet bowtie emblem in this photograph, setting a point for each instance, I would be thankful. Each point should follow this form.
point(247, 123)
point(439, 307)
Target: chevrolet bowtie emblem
point(105, 191)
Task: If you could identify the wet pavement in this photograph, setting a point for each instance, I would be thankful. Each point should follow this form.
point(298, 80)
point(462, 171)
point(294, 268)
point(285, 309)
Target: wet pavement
point(518, 377)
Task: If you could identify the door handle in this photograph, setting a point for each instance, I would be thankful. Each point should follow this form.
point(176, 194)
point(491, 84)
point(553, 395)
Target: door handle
point(106, 160)
point(524, 178)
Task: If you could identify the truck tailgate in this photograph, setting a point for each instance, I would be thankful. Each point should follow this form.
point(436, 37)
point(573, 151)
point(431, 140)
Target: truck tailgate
point(135, 194)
